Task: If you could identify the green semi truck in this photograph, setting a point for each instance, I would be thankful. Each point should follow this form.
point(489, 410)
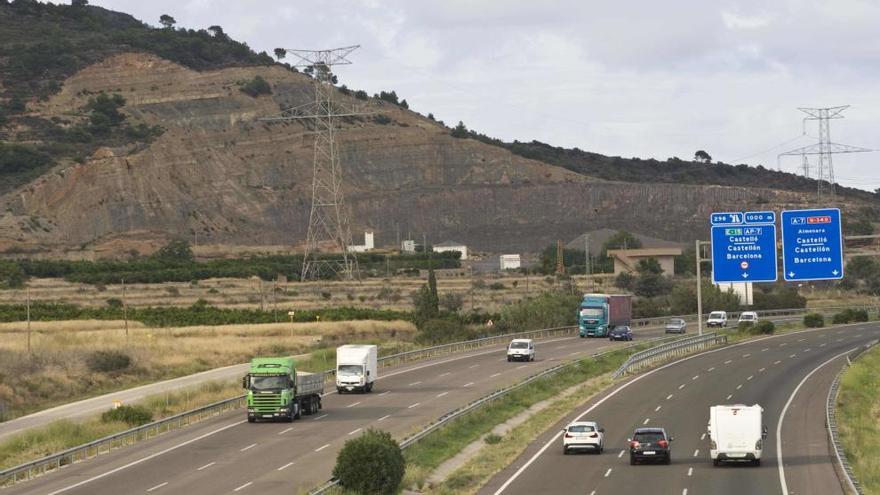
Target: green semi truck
point(275, 390)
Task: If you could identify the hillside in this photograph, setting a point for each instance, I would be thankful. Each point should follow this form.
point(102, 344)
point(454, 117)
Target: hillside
point(146, 134)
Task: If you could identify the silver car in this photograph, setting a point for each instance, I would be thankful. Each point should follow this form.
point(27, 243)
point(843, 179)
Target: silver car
point(676, 325)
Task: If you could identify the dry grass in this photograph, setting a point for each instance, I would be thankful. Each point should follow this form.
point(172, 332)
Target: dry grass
point(858, 409)
point(58, 371)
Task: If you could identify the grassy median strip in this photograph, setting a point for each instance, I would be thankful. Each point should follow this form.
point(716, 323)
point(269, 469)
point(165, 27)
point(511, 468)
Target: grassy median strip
point(58, 436)
point(423, 457)
point(858, 409)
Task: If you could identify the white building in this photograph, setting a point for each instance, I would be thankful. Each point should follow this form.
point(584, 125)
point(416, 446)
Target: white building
point(408, 246)
point(366, 246)
point(451, 246)
point(509, 261)
point(742, 289)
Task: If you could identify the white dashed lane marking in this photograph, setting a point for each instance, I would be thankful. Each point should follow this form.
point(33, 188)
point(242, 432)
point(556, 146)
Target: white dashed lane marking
point(242, 487)
point(696, 452)
point(681, 386)
point(657, 408)
point(248, 447)
point(728, 361)
point(414, 405)
point(321, 416)
point(621, 454)
point(355, 431)
point(413, 384)
point(702, 437)
point(441, 394)
point(690, 471)
point(608, 473)
point(383, 418)
point(282, 468)
point(157, 487)
point(354, 404)
point(206, 466)
point(322, 447)
point(729, 396)
point(646, 421)
point(282, 432)
point(668, 396)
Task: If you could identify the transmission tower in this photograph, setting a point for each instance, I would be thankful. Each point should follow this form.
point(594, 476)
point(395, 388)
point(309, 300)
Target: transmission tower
point(825, 148)
point(328, 219)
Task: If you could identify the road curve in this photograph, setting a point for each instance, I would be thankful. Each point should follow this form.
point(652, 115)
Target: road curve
point(226, 453)
point(790, 373)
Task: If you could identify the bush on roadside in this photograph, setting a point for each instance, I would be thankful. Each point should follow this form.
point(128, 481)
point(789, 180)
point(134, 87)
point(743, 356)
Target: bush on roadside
point(814, 320)
point(850, 315)
point(442, 330)
point(370, 464)
point(745, 326)
point(493, 438)
point(765, 327)
point(131, 415)
point(108, 361)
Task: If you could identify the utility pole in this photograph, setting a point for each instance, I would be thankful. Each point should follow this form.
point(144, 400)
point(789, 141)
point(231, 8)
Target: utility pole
point(28, 296)
point(699, 257)
point(825, 148)
point(588, 263)
point(560, 261)
point(328, 217)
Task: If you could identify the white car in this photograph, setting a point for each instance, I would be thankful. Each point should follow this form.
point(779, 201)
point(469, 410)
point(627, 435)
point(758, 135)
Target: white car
point(521, 350)
point(748, 317)
point(717, 319)
point(583, 435)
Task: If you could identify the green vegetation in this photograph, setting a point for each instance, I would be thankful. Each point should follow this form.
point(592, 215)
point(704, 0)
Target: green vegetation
point(850, 315)
point(131, 415)
point(176, 263)
point(256, 87)
point(108, 361)
point(863, 275)
point(763, 327)
point(370, 464)
point(814, 320)
point(857, 407)
point(546, 310)
point(197, 314)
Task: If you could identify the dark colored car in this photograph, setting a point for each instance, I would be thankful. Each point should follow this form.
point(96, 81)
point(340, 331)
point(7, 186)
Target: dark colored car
point(621, 333)
point(650, 444)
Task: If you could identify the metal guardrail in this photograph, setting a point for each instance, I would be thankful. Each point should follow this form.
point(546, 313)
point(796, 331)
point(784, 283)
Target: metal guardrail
point(461, 411)
point(651, 356)
point(104, 445)
point(848, 478)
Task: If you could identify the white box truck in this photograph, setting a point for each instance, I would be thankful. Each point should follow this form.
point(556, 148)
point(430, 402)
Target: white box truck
point(356, 368)
point(736, 433)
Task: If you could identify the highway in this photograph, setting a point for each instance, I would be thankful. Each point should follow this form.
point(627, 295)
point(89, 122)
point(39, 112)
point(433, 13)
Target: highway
point(788, 375)
point(228, 455)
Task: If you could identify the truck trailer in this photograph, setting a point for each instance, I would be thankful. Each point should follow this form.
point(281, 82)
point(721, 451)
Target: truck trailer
point(275, 390)
point(736, 433)
point(356, 368)
point(598, 314)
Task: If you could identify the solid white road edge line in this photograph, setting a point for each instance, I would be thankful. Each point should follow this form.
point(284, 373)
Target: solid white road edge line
point(601, 401)
point(782, 482)
point(147, 458)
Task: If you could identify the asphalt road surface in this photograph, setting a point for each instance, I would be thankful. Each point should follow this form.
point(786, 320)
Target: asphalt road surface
point(228, 455)
point(788, 375)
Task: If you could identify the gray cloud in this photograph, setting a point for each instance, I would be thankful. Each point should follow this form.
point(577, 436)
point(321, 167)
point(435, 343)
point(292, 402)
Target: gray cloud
point(632, 78)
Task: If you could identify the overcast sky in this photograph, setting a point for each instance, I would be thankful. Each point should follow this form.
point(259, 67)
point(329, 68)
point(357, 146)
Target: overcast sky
point(642, 78)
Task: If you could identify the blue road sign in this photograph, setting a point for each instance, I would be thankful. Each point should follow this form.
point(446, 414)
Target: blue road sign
point(744, 246)
point(812, 245)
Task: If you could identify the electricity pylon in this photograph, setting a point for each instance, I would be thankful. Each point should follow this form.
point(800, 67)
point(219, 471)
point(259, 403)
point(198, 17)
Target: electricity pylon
point(328, 218)
point(825, 148)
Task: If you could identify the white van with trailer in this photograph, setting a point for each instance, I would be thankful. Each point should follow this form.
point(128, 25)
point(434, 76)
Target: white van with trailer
point(736, 433)
point(356, 368)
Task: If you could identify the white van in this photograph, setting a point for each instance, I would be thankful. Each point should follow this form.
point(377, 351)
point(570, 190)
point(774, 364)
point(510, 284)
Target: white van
point(717, 319)
point(356, 368)
point(521, 350)
point(748, 317)
point(736, 433)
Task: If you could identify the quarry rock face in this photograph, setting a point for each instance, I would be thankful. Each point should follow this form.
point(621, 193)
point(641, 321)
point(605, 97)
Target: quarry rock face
point(221, 175)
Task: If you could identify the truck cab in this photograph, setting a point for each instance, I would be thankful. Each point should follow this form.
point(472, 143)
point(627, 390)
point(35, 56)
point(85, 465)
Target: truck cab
point(598, 314)
point(356, 368)
point(276, 391)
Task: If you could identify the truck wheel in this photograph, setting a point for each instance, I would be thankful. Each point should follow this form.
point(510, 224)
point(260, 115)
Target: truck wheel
point(298, 413)
point(757, 462)
point(339, 390)
point(508, 359)
point(715, 462)
point(632, 460)
point(370, 387)
point(252, 419)
point(668, 460)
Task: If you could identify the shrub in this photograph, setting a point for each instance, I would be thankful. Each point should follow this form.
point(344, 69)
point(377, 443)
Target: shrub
point(256, 87)
point(326, 295)
point(843, 317)
point(451, 302)
point(370, 464)
point(478, 284)
point(814, 320)
point(131, 415)
point(859, 315)
point(496, 286)
point(114, 302)
point(493, 438)
point(440, 330)
point(764, 327)
point(108, 361)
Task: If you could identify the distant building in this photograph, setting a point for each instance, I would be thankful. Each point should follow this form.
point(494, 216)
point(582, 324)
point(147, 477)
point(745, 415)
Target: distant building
point(408, 246)
point(451, 246)
point(509, 261)
point(626, 260)
point(366, 246)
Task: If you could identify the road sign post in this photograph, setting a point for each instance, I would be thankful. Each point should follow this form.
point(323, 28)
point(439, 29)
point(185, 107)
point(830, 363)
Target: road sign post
point(812, 245)
point(744, 247)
